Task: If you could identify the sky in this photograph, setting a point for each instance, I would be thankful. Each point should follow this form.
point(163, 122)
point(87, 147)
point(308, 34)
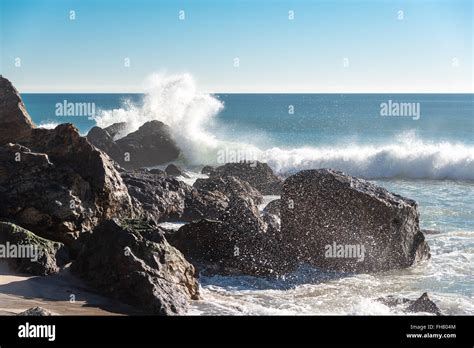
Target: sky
point(337, 46)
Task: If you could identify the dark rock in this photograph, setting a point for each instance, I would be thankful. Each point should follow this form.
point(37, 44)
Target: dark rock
point(174, 170)
point(149, 146)
point(207, 170)
point(15, 123)
point(117, 130)
point(219, 247)
point(273, 207)
point(157, 171)
point(424, 304)
point(45, 256)
point(257, 174)
point(322, 210)
point(36, 312)
point(159, 197)
point(101, 139)
point(201, 204)
point(60, 185)
point(231, 186)
point(132, 262)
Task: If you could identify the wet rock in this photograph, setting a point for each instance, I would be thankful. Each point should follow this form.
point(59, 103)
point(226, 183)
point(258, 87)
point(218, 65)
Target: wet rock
point(101, 139)
point(273, 207)
point(231, 186)
point(33, 254)
point(338, 222)
point(149, 146)
point(422, 304)
point(207, 170)
point(258, 175)
point(201, 204)
point(117, 130)
point(36, 312)
point(131, 261)
point(222, 248)
point(174, 170)
point(157, 171)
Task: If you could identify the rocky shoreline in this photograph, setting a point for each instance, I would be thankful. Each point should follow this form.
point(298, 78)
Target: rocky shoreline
point(89, 202)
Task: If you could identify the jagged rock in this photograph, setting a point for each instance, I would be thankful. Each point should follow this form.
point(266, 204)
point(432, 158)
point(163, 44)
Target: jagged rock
point(15, 123)
point(117, 130)
point(101, 139)
point(132, 262)
point(371, 228)
point(150, 145)
point(200, 204)
point(54, 182)
point(223, 248)
point(36, 312)
point(273, 207)
point(174, 170)
point(34, 255)
point(207, 170)
point(230, 186)
point(159, 197)
point(422, 304)
point(258, 175)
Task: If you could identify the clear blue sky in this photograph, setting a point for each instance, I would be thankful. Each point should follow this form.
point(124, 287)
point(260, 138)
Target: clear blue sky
point(430, 50)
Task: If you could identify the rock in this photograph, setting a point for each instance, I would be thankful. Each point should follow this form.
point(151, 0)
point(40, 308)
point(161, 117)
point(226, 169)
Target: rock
point(15, 123)
point(53, 181)
point(424, 304)
point(117, 130)
point(132, 262)
point(159, 197)
point(219, 247)
point(174, 170)
point(273, 207)
point(338, 222)
point(101, 139)
point(273, 226)
point(201, 204)
point(157, 171)
point(257, 174)
point(231, 186)
point(41, 256)
point(36, 312)
point(207, 170)
point(149, 146)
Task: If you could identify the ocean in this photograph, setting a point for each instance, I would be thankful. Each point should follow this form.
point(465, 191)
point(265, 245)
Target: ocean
point(422, 148)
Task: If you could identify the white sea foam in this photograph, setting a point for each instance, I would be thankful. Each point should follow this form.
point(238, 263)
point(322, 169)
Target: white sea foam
point(48, 125)
point(176, 101)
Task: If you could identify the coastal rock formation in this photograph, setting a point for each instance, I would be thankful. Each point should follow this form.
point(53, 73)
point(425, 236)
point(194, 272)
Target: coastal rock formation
point(273, 207)
point(174, 170)
point(223, 248)
point(201, 204)
point(149, 146)
point(54, 182)
point(32, 254)
point(338, 222)
point(230, 186)
point(132, 262)
point(117, 130)
point(207, 170)
point(159, 197)
point(36, 312)
point(259, 175)
point(15, 123)
point(423, 304)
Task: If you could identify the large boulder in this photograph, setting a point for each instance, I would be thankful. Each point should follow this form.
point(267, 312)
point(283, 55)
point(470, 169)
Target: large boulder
point(338, 222)
point(150, 145)
point(131, 261)
point(174, 170)
point(28, 253)
point(54, 182)
point(117, 130)
point(160, 197)
point(101, 139)
point(231, 186)
point(15, 123)
point(257, 174)
point(223, 248)
point(201, 204)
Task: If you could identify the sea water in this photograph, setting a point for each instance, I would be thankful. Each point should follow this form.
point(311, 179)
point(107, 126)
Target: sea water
point(429, 158)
